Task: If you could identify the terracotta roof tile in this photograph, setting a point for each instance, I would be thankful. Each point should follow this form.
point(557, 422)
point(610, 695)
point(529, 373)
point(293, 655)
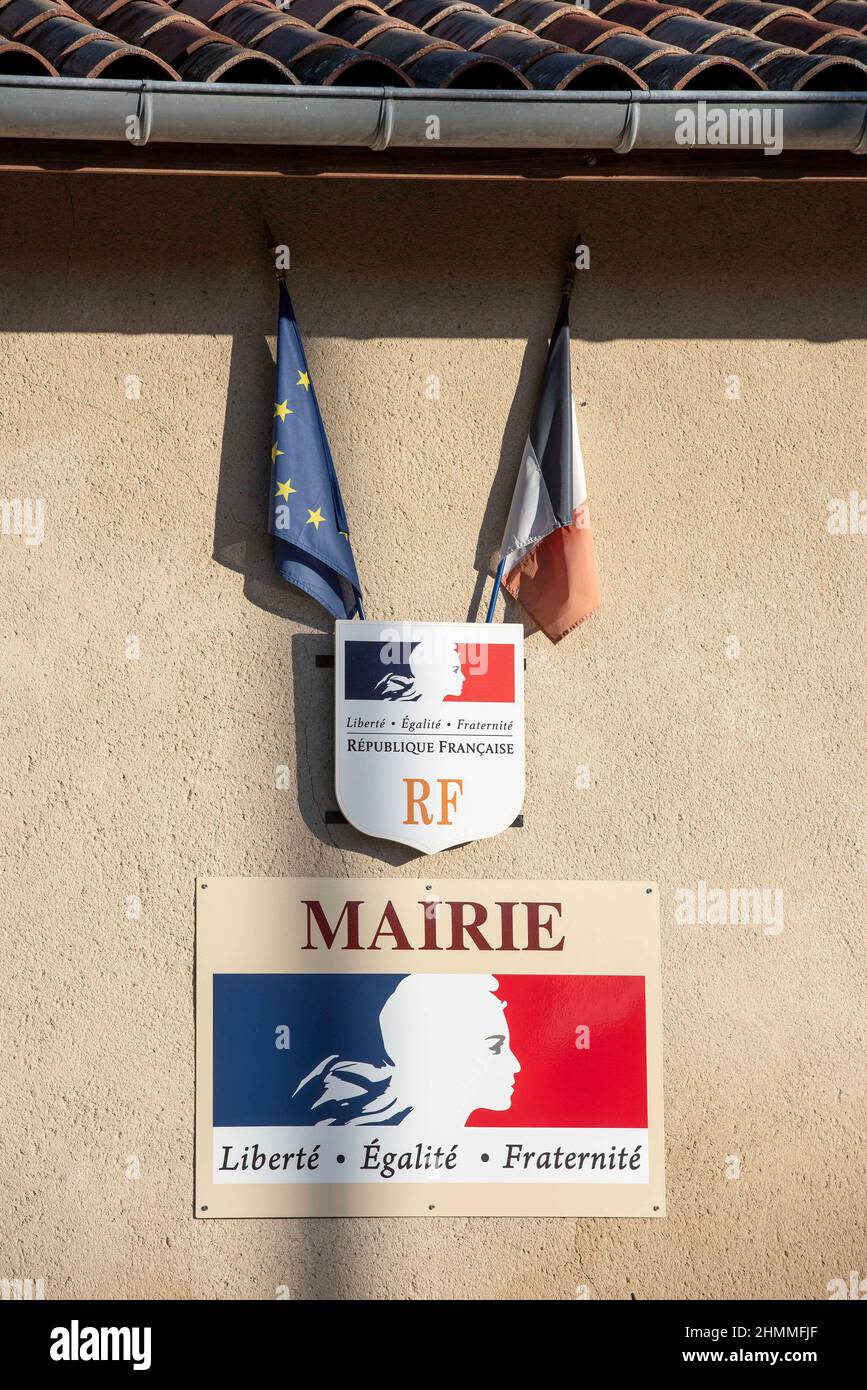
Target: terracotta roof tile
point(819, 45)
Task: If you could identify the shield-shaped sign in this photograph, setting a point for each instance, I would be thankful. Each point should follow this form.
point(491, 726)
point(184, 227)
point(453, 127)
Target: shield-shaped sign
point(430, 730)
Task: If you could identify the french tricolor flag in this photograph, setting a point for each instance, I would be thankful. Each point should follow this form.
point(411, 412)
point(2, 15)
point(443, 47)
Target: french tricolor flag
point(548, 562)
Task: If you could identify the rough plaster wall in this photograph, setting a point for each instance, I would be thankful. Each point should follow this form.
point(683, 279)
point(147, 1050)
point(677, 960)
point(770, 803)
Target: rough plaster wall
point(130, 777)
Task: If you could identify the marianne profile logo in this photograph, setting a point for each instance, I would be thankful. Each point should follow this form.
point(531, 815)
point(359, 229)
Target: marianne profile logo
point(443, 1051)
point(443, 671)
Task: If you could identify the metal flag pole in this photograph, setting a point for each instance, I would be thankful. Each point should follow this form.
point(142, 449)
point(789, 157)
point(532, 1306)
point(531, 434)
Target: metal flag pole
point(272, 246)
point(498, 579)
point(565, 298)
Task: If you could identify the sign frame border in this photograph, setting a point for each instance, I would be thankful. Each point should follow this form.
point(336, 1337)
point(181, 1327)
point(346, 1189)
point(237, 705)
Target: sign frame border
point(314, 1200)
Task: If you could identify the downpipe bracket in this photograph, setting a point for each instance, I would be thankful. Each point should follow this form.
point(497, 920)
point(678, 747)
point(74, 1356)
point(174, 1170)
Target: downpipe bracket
point(384, 124)
point(143, 120)
point(629, 134)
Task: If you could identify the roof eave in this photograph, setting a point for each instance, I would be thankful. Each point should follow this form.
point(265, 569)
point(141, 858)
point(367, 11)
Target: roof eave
point(416, 127)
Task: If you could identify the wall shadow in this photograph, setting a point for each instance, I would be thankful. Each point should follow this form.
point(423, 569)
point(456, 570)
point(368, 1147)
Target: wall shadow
point(704, 261)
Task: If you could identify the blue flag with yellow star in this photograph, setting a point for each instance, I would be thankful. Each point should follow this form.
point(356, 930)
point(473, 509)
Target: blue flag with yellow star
point(306, 517)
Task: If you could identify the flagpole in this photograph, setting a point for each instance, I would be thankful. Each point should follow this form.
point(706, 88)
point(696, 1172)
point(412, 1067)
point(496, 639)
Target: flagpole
point(501, 569)
point(565, 298)
point(271, 244)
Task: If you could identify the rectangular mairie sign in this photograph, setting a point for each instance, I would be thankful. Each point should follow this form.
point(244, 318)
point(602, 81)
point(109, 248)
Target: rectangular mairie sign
point(429, 737)
point(403, 1047)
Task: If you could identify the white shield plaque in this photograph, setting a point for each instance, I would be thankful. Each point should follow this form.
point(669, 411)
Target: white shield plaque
point(430, 730)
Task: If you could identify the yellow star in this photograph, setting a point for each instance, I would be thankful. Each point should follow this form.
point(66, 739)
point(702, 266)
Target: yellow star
point(284, 489)
point(303, 380)
point(275, 452)
point(315, 518)
point(281, 410)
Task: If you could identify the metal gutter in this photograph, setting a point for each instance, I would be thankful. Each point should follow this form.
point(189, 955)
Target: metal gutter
point(142, 112)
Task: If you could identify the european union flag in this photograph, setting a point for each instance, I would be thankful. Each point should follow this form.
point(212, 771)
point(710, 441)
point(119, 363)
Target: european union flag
point(306, 516)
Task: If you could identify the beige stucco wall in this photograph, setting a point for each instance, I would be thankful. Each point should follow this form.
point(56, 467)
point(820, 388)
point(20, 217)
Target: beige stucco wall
point(128, 777)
